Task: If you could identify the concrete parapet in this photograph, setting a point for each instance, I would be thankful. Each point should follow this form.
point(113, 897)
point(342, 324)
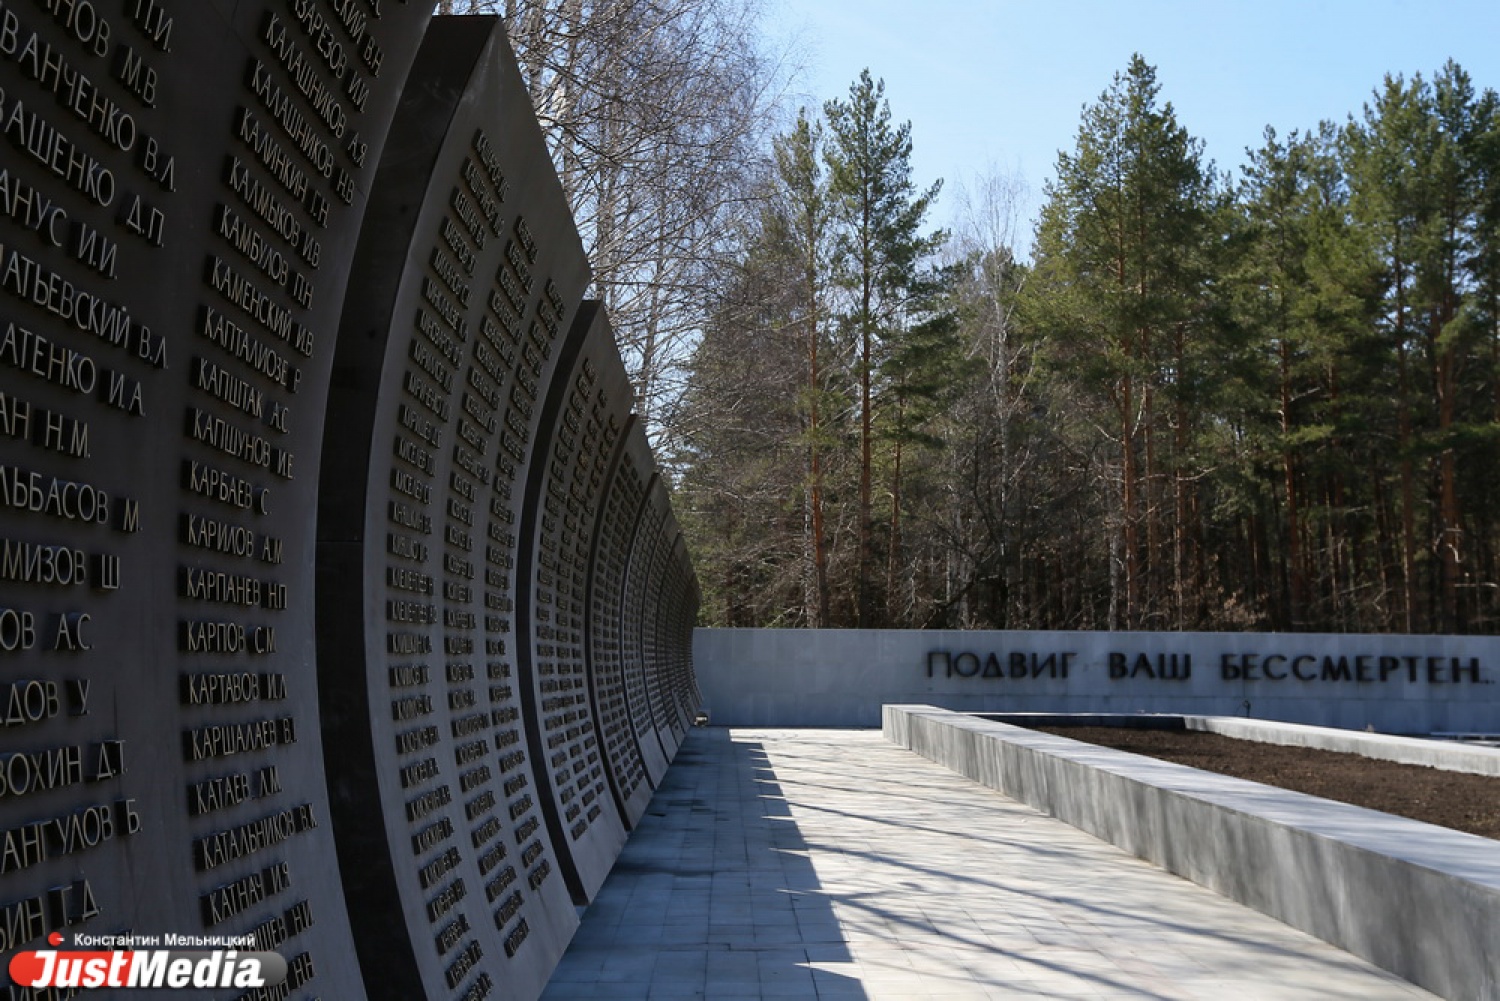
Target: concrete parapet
point(1447, 755)
point(1420, 901)
point(1450, 756)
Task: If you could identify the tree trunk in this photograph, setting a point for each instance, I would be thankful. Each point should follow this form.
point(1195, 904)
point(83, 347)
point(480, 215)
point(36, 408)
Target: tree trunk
point(814, 384)
point(893, 559)
point(1404, 430)
point(866, 336)
point(1187, 588)
point(1450, 538)
point(1296, 572)
point(1128, 487)
point(1387, 556)
point(1150, 489)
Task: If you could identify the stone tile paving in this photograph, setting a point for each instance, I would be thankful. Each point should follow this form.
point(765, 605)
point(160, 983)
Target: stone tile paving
point(833, 864)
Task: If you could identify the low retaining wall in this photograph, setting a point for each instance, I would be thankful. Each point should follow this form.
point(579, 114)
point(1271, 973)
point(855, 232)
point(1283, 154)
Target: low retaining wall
point(1448, 755)
point(841, 677)
point(1420, 901)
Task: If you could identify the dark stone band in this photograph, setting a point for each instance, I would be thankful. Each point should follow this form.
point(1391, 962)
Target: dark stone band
point(341, 604)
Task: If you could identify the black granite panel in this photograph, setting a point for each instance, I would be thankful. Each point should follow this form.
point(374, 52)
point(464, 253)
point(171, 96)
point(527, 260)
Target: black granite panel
point(181, 188)
point(470, 272)
point(286, 384)
point(619, 707)
point(581, 425)
point(675, 616)
point(633, 475)
point(654, 650)
point(637, 636)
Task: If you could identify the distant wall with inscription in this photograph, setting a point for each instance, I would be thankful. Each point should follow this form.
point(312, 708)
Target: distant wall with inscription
point(834, 677)
point(341, 605)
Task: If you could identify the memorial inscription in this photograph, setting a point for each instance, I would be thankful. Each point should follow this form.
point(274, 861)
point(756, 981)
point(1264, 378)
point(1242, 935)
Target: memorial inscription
point(581, 422)
point(154, 498)
point(644, 664)
point(210, 433)
point(481, 294)
point(620, 708)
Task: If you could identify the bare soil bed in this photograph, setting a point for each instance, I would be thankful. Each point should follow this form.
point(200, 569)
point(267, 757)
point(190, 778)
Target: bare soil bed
point(1458, 800)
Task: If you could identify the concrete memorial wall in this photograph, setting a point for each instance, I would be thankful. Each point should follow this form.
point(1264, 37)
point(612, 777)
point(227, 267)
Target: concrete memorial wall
point(841, 677)
point(321, 504)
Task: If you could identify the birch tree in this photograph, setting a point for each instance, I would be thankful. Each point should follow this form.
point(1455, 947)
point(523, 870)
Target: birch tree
point(657, 114)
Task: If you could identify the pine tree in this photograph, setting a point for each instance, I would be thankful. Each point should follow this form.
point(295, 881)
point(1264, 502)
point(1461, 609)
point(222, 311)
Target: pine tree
point(1119, 282)
point(738, 440)
point(1418, 162)
point(880, 252)
point(1300, 285)
point(803, 212)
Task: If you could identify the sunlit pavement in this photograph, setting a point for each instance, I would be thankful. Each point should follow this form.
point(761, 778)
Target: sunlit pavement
point(833, 864)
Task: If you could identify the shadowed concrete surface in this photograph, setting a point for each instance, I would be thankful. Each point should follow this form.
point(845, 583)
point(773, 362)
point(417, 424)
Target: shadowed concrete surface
point(833, 864)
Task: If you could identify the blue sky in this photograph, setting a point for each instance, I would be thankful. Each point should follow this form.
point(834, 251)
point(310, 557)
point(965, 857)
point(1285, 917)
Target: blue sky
point(1000, 83)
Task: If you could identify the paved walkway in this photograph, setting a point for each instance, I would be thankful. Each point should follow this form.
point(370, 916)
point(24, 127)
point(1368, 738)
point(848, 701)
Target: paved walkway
point(833, 864)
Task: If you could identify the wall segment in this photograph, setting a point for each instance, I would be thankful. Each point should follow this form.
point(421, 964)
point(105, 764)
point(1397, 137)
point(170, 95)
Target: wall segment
point(833, 677)
point(279, 325)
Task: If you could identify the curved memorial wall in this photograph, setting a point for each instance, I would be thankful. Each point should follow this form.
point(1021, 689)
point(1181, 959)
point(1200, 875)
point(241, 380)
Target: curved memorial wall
point(333, 565)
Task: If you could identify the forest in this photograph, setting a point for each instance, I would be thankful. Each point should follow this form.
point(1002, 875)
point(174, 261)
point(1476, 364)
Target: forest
point(1259, 400)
